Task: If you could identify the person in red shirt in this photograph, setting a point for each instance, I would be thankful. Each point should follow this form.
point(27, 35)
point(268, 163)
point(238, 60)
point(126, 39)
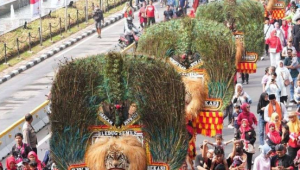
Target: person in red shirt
point(151, 12)
point(246, 114)
point(275, 48)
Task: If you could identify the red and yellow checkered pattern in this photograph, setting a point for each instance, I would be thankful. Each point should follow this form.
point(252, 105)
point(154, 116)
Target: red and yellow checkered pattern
point(209, 123)
point(278, 13)
point(244, 67)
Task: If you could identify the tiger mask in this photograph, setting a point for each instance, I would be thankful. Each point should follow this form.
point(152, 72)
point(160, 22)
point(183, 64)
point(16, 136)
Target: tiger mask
point(116, 153)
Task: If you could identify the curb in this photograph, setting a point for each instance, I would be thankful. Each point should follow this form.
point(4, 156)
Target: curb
point(66, 44)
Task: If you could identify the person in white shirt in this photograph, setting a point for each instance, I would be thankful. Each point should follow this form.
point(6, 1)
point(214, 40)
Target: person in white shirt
point(268, 28)
point(289, 46)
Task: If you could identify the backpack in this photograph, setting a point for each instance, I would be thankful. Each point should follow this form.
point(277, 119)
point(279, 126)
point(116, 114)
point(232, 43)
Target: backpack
point(98, 15)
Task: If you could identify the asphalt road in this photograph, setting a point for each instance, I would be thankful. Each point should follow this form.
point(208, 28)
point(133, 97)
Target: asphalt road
point(25, 92)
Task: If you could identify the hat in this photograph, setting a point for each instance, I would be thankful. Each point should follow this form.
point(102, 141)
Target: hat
point(236, 105)
point(272, 97)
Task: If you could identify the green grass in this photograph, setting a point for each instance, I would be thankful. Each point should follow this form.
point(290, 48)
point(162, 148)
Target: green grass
point(10, 38)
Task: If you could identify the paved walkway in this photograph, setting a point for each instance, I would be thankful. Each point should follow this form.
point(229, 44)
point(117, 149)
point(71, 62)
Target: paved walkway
point(27, 90)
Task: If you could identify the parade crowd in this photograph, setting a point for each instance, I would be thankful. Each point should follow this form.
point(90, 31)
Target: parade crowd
point(278, 130)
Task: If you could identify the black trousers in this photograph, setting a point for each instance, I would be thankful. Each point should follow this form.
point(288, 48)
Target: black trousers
point(150, 19)
point(249, 160)
point(292, 152)
point(245, 76)
point(267, 48)
point(283, 99)
point(228, 112)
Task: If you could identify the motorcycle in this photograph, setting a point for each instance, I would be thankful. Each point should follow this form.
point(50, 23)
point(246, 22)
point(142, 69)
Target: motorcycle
point(126, 39)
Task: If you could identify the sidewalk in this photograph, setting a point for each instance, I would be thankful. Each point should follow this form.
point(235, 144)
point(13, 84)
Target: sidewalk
point(58, 45)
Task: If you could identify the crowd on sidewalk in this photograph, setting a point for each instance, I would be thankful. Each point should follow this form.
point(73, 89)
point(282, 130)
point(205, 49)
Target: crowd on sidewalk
point(23, 154)
point(279, 130)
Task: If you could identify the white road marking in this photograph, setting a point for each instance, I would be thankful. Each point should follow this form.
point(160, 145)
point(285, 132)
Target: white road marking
point(90, 37)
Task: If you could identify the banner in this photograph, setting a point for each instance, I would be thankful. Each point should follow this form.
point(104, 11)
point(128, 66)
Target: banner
point(35, 8)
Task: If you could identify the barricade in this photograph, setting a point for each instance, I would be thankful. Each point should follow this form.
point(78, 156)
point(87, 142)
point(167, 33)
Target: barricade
point(7, 137)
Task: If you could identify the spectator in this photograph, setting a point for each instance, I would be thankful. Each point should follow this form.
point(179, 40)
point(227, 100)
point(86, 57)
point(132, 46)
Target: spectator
point(207, 156)
point(183, 6)
point(277, 107)
point(20, 150)
point(240, 97)
point(151, 12)
point(192, 14)
point(274, 87)
point(268, 28)
point(297, 160)
point(285, 137)
point(294, 73)
point(297, 95)
point(296, 36)
point(262, 103)
point(280, 34)
point(179, 12)
point(285, 79)
point(127, 11)
point(294, 127)
point(168, 13)
point(236, 113)
point(281, 160)
point(11, 163)
point(33, 165)
point(284, 27)
point(237, 151)
point(219, 142)
point(98, 17)
point(200, 163)
point(219, 158)
point(288, 47)
point(246, 114)
point(245, 76)
point(29, 133)
point(247, 134)
point(1, 166)
point(275, 48)
point(265, 78)
point(25, 164)
point(142, 15)
point(273, 137)
point(32, 156)
point(262, 162)
point(274, 119)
